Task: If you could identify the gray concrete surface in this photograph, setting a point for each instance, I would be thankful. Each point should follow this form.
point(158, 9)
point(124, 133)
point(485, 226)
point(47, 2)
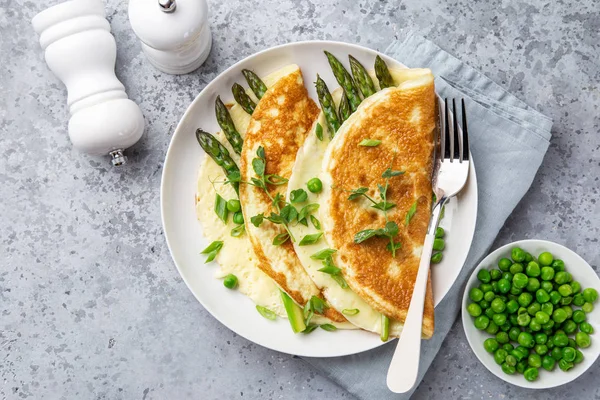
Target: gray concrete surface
point(91, 306)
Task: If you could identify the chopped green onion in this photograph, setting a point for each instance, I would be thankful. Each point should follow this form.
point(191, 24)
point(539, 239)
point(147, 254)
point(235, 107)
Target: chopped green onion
point(328, 327)
point(370, 143)
point(316, 223)
point(265, 312)
point(310, 239)
point(323, 254)
point(221, 208)
point(212, 250)
point(319, 131)
point(385, 328)
point(238, 230)
point(281, 239)
point(350, 311)
point(411, 213)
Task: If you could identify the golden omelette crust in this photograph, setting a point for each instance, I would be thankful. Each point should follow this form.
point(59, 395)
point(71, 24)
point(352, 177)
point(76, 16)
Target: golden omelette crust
point(374, 274)
point(281, 134)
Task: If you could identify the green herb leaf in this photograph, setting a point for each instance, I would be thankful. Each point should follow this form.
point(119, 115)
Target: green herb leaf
point(289, 213)
point(411, 212)
point(260, 152)
point(298, 196)
point(258, 165)
point(258, 183)
point(382, 191)
point(323, 254)
point(277, 199)
point(356, 193)
point(370, 143)
point(257, 219)
point(212, 250)
point(310, 239)
point(234, 176)
point(309, 329)
point(275, 218)
point(384, 205)
point(350, 311)
point(238, 230)
point(331, 270)
point(318, 304)
point(316, 223)
point(319, 131)
point(221, 208)
point(306, 210)
point(391, 229)
point(340, 281)
point(265, 312)
point(281, 239)
point(329, 327)
point(303, 221)
point(365, 234)
point(397, 246)
point(389, 173)
point(275, 180)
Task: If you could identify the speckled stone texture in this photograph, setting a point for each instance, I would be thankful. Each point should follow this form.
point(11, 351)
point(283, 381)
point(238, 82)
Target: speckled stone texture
point(91, 305)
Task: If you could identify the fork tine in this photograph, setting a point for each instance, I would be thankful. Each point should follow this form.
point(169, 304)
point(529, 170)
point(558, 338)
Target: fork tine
point(465, 146)
point(446, 137)
point(456, 148)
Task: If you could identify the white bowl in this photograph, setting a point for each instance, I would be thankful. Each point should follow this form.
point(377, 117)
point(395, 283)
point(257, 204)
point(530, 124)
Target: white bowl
point(581, 272)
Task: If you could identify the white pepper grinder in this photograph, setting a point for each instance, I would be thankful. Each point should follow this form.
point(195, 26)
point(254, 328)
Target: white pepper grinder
point(175, 34)
point(81, 52)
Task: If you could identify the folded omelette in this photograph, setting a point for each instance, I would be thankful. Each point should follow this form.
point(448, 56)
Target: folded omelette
point(403, 120)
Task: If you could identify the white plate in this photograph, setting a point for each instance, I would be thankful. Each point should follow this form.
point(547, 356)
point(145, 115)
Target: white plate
point(184, 233)
point(581, 271)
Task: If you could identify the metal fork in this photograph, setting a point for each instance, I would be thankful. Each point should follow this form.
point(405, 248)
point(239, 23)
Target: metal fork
point(452, 171)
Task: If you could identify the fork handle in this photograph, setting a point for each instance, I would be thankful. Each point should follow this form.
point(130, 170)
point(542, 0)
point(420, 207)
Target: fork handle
point(404, 368)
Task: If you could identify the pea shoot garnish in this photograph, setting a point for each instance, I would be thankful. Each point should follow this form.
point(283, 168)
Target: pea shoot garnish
point(390, 230)
point(329, 267)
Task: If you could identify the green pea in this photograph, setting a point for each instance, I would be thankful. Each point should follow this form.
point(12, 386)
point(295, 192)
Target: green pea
point(569, 326)
point(230, 281)
point(534, 325)
point(517, 254)
point(548, 326)
point(550, 343)
point(439, 245)
point(533, 284)
point(521, 366)
point(533, 308)
point(526, 339)
point(547, 273)
point(504, 285)
point(508, 369)
point(565, 365)
point(578, 357)
point(489, 296)
point(492, 328)
point(565, 301)
point(540, 338)
point(513, 319)
point(481, 322)
point(532, 269)
point(586, 327)
point(572, 343)
point(558, 265)
point(513, 333)
point(504, 264)
point(568, 310)
point(555, 297)
point(238, 218)
point(512, 306)
point(484, 276)
point(525, 299)
point(545, 258)
point(484, 304)
point(559, 316)
point(314, 185)
point(548, 308)
point(439, 232)
point(233, 205)
point(516, 353)
point(569, 354)
point(587, 307)
point(494, 286)
point(561, 277)
point(528, 257)
point(516, 268)
point(534, 360)
point(524, 350)
point(523, 319)
point(548, 363)
point(583, 340)
point(499, 319)
point(506, 326)
point(436, 258)
point(556, 353)
point(531, 374)
point(489, 313)
point(515, 291)
point(511, 360)
point(498, 305)
point(508, 347)
point(541, 317)
point(520, 280)
point(542, 296)
point(490, 345)
point(590, 295)
point(560, 340)
point(547, 286)
point(500, 356)
point(565, 290)
point(496, 274)
point(576, 286)
point(475, 294)
point(579, 316)
point(508, 276)
point(578, 300)
point(474, 310)
point(541, 349)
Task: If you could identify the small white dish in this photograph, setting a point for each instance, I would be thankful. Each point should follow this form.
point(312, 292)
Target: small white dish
point(581, 272)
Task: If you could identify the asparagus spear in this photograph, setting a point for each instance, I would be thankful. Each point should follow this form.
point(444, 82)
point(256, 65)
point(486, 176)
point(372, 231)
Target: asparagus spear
point(345, 80)
point(218, 153)
point(255, 83)
point(226, 123)
point(344, 108)
point(361, 77)
point(327, 106)
point(383, 73)
point(240, 96)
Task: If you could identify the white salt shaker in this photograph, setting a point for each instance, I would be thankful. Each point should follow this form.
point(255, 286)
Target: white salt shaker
point(175, 34)
point(81, 52)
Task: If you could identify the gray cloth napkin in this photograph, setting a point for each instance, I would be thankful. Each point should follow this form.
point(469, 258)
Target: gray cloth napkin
point(508, 141)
